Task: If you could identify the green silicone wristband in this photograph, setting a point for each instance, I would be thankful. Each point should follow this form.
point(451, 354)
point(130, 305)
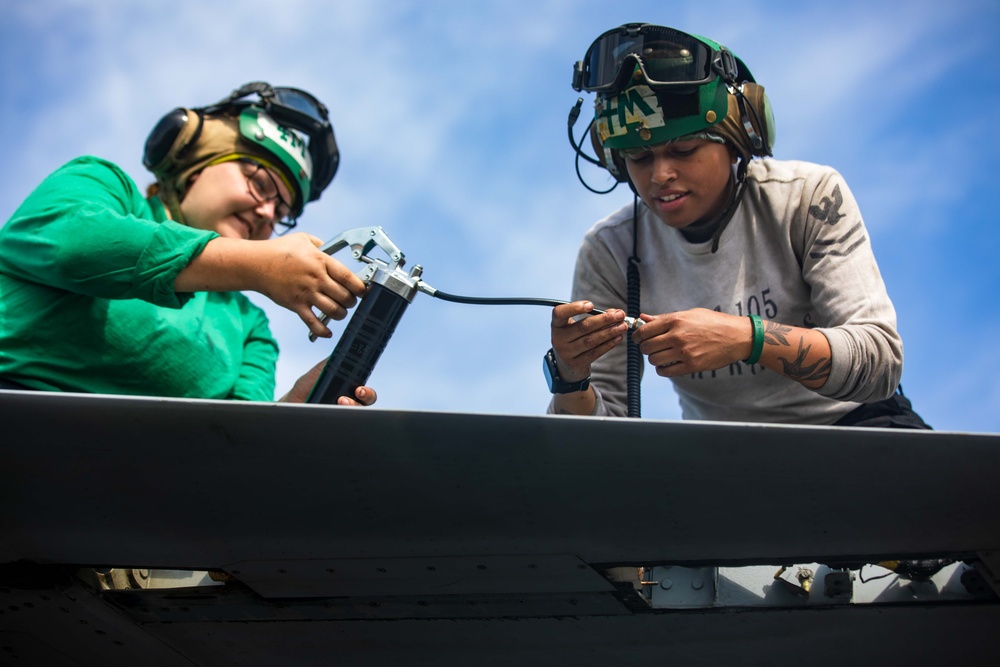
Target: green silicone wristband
point(758, 340)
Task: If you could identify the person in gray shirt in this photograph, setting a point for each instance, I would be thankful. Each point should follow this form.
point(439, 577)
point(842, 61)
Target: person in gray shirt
point(760, 295)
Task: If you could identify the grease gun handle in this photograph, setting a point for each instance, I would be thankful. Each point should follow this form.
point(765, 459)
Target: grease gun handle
point(362, 241)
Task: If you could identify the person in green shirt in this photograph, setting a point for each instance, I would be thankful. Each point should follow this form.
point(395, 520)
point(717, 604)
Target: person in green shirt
point(106, 289)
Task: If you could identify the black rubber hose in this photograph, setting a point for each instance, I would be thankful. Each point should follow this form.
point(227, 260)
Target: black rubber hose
point(634, 356)
point(502, 301)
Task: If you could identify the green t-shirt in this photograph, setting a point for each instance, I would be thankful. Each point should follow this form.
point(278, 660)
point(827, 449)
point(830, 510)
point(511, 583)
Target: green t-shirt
point(87, 267)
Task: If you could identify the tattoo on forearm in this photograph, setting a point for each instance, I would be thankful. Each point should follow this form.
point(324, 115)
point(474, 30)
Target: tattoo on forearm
point(776, 334)
point(798, 370)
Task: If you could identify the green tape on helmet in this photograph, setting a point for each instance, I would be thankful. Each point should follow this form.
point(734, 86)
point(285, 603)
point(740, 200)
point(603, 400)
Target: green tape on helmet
point(636, 116)
point(284, 144)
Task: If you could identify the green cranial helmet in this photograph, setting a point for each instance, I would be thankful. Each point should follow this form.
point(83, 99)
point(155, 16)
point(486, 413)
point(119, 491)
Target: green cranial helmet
point(285, 129)
point(657, 84)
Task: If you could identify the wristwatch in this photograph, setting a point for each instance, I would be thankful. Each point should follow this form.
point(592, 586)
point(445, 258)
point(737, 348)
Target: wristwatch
point(556, 383)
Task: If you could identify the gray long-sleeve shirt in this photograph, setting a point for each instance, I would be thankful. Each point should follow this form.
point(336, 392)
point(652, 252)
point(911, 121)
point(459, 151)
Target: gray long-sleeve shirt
point(795, 252)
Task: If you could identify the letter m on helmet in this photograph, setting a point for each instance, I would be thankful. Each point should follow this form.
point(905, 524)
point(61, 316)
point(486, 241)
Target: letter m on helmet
point(634, 105)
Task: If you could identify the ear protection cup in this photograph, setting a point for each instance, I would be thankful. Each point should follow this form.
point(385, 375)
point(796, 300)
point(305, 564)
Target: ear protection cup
point(608, 158)
point(171, 137)
point(757, 118)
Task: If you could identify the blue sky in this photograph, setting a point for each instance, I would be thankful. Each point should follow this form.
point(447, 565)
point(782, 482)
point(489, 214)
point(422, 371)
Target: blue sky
point(451, 119)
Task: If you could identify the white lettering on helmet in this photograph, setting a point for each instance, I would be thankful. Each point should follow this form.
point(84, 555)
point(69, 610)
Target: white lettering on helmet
point(288, 140)
point(636, 105)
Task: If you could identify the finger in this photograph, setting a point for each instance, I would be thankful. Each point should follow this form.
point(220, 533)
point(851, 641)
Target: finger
point(327, 312)
point(365, 395)
point(316, 241)
point(589, 355)
point(592, 339)
point(563, 314)
point(316, 326)
point(590, 334)
point(345, 278)
point(333, 309)
point(610, 318)
point(576, 342)
point(658, 344)
point(645, 332)
point(663, 357)
point(671, 369)
point(610, 323)
point(346, 400)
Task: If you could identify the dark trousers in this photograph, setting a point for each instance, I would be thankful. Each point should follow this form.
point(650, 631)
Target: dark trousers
point(893, 412)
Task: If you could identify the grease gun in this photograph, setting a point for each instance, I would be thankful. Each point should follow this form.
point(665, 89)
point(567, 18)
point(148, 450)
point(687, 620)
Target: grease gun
point(390, 290)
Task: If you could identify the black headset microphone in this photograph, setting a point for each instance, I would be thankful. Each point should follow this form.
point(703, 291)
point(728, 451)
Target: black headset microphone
point(574, 115)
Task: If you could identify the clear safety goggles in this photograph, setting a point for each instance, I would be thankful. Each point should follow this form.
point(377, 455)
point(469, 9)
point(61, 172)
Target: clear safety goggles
point(666, 57)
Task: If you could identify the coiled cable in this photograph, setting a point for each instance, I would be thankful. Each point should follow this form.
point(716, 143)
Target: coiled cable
point(633, 363)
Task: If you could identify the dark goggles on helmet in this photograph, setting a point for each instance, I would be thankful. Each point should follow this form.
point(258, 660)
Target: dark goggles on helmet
point(667, 58)
point(298, 110)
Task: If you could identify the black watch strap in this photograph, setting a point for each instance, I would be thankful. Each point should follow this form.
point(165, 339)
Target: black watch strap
point(556, 384)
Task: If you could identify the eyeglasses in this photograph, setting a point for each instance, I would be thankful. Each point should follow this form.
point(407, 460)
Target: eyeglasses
point(666, 57)
point(263, 188)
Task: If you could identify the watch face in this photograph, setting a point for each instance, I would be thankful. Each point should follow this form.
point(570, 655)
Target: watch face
point(550, 370)
point(556, 384)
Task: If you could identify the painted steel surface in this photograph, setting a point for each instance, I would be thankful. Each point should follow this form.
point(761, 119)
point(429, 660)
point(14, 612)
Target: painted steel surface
point(481, 539)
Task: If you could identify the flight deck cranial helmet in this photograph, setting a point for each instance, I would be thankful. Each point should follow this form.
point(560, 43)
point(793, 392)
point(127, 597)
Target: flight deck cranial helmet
point(285, 129)
point(655, 85)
